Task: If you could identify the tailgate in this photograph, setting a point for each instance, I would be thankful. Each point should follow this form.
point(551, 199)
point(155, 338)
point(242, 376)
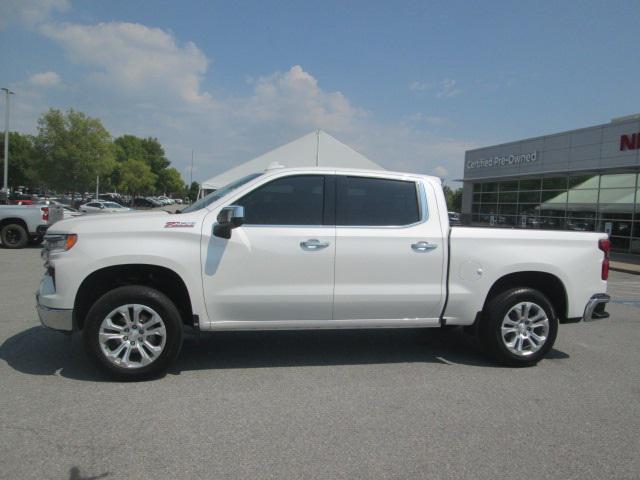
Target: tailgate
point(56, 213)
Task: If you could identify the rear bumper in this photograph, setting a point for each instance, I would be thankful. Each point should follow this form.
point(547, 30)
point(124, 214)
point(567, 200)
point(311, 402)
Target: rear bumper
point(55, 318)
point(41, 230)
point(595, 307)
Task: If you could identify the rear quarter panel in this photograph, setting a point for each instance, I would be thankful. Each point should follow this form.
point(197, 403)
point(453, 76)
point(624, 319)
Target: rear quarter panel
point(481, 256)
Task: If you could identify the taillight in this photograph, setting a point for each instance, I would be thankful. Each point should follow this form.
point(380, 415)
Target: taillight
point(605, 245)
point(45, 214)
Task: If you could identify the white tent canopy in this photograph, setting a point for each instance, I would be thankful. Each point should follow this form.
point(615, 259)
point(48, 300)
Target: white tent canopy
point(314, 149)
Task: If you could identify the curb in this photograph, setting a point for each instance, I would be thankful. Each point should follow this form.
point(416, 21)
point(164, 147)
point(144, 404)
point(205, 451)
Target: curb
point(624, 270)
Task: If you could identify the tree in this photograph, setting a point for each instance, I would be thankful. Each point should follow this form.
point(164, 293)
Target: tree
point(72, 150)
point(22, 160)
point(170, 182)
point(149, 150)
point(194, 189)
point(454, 198)
point(136, 177)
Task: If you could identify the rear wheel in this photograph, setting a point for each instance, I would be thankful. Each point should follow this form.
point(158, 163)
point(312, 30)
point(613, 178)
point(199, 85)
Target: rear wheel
point(133, 332)
point(14, 235)
point(519, 326)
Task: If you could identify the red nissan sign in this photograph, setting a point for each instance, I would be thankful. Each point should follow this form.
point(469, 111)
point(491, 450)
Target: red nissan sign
point(630, 142)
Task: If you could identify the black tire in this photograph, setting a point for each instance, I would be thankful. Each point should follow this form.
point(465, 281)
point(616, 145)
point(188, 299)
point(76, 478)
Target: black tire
point(504, 303)
point(14, 235)
point(127, 295)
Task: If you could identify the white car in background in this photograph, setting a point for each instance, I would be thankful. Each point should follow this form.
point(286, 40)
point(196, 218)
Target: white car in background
point(70, 212)
point(103, 207)
point(165, 200)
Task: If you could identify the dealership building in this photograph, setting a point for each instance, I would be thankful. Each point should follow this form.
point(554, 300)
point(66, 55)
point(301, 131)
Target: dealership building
point(585, 180)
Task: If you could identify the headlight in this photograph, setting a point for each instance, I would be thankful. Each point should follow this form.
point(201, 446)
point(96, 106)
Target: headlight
point(60, 242)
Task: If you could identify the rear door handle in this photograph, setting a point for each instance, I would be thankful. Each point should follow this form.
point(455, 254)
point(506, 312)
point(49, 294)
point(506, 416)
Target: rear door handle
point(313, 244)
point(423, 246)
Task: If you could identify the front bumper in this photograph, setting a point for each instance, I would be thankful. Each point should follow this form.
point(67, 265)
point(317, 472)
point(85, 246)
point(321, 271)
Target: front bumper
point(56, 318)
point(595, 307)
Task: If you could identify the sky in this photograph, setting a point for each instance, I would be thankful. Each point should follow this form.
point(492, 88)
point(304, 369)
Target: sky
point(410, 84)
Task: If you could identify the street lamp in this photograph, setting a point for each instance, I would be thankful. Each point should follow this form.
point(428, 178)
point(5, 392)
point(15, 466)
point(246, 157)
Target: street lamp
point(6, 142)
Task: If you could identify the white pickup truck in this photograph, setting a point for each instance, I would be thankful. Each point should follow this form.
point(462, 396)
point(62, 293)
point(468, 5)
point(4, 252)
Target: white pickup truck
point(21, 224)
point(313, 248)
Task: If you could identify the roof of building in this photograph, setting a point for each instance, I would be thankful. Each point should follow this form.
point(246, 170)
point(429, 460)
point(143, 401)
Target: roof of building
point(317, 148)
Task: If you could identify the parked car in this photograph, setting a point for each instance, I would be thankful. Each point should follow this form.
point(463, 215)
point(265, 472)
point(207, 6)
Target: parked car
point(165, 200)
point(454, 219)
point(103, 207)
point(21, 224)
point(313, 248)
point(20, 199)
point(144, 203)
point(70, 212)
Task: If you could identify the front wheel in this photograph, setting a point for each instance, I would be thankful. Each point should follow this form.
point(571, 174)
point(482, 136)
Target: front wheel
point(133, 332)
point(519, 326)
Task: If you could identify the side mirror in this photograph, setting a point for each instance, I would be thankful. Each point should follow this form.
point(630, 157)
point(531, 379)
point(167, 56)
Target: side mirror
point(102, 207)
point(229, 218)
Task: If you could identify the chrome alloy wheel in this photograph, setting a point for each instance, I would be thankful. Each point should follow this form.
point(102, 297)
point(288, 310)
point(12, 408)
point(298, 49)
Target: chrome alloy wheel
point(132, 336)
point(525, 329)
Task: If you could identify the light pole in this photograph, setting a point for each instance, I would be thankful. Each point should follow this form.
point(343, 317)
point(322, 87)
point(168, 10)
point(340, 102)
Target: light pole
point(6, 142)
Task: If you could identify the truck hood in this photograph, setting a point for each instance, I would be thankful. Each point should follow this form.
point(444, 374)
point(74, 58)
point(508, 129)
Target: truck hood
point(124, 222)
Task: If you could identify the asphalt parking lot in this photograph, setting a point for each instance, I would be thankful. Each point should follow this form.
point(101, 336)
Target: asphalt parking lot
point(337, 405)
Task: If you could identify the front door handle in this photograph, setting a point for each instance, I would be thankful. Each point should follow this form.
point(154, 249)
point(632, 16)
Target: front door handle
point(313, 244)
point(423, 246)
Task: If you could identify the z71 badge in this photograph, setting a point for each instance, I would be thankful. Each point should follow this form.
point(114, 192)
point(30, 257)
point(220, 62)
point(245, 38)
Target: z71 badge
point(179, 224)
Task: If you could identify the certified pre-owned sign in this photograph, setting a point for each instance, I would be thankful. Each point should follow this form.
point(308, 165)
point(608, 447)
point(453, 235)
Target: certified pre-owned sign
point(503, 161)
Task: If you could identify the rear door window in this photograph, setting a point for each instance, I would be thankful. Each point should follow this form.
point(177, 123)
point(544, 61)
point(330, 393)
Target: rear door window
point(364, 201)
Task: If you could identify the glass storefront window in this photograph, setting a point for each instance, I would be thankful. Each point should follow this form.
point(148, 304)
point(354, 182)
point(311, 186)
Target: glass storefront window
point(531, 184)
point(508, 209)
point(617, 195)
point(583, 196)
point(582, 210)
point(619, 180)
point(620, 243)
point(489, 198)
point(615, 210)
point(556, 183)
point(584, 181)
point(509, 186)
point(609, 202)
point(528, 209)
point(581, 224)
point(555, 211)
point(554, 196)
point(529, 197)
point(489, 209)
point(508, 197)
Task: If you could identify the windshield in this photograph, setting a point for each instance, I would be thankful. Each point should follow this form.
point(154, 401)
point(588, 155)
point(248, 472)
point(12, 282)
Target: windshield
point(112, 205)
point(218, 194)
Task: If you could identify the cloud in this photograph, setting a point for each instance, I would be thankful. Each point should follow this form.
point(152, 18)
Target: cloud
point(420, 86)
point(448, 89)
point(294, 97)
point(45, 79)
point(440, 171)
point(29, 12)
point(134, 59)
point(146, 82)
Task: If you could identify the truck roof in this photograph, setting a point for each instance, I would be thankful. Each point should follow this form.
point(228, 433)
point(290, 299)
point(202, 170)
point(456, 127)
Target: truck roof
point(344, 170)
